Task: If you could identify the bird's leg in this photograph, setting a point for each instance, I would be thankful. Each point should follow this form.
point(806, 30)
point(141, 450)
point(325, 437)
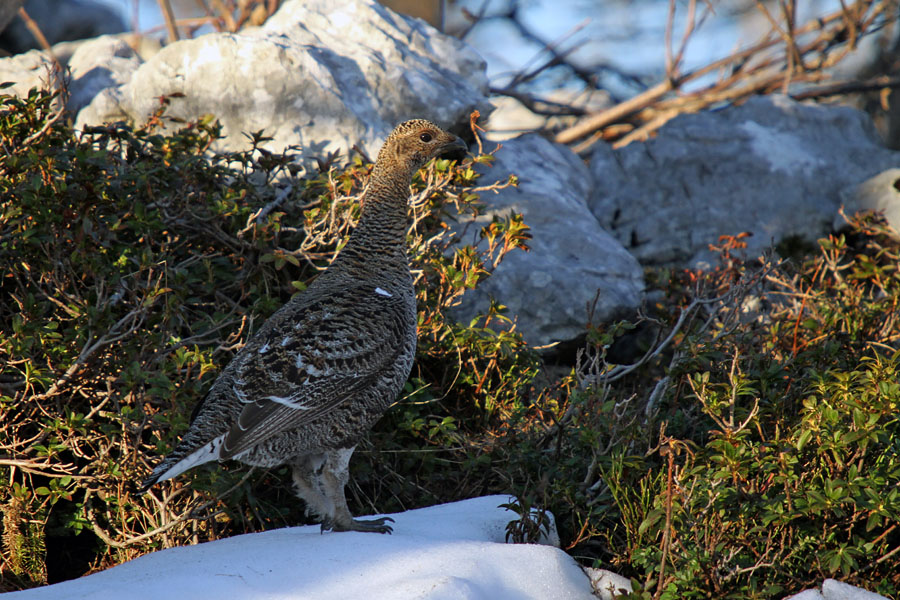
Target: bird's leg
point(307, 485)
point(332, 479)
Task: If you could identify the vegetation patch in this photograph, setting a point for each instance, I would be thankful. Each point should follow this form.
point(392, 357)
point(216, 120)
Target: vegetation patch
point(750, 450)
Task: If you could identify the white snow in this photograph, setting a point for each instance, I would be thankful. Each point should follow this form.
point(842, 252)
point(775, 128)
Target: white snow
point(452, 551)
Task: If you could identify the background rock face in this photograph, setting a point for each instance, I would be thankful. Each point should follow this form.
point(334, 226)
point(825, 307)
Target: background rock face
point(571, 257)
point(97, 65)
point(879, 193)
point(772, 167)
point(26, 71)
point(324, 75)
point(59, 20)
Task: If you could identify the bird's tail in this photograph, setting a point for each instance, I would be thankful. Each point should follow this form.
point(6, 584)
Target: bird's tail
point(177, 463)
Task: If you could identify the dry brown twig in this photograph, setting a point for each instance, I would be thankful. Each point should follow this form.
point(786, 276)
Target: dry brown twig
point(784, 56)
point(223, 15)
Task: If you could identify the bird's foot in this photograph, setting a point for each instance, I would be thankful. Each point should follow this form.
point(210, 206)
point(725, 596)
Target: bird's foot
point(373, 525)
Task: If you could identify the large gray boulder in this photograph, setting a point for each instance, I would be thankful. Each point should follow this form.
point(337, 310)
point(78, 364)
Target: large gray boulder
point(60, 20)
point(772, 167)
point(322, 74)
point(572, 258)
point(91, 68)
point(32, 69)
point(880, 193)
point(8, 11)
point(98, 65)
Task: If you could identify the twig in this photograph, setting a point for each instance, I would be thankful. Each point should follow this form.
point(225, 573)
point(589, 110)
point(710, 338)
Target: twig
point(166, 8)
point(48, 124)
point(43, 469)
point(225, 14)
point(186, 516)
point(114, 335)
point(753, 70)
point(591, 123)
point(37, 33)
point(557, 58)
point(474, 19)
point(533, 103)
point(850, 87)
point(667, 531)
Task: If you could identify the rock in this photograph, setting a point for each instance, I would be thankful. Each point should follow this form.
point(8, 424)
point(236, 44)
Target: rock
point(607, 585)
point(325, 75)
point(773, 167)
point(572, 258)
point(837, 590)
point(30, 70)
point(142, 46)
point(8, 11)
point(61, 20)
point(880, 193)
point(98, 64)
point(807, 595)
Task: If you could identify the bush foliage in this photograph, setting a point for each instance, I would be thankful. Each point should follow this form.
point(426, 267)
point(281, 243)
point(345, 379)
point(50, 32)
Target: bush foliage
point(750, 451)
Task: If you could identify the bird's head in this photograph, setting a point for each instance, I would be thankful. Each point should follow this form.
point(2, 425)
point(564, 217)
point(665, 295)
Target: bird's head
point(413, 143)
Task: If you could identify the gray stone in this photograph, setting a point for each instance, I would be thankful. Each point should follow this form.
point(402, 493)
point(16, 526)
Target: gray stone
point(572, 258)
point(838, 590)
point(8, 11)
point(772, 167)
point(98, 64)
point(96, 68)
point(30, 70)
point(880, 193)
point(142, 46)
point(807, 595)
point(325, 75)
point(61, 20)
point(607, 585)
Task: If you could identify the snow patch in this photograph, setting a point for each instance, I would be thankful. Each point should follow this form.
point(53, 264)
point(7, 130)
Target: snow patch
point(449, 551)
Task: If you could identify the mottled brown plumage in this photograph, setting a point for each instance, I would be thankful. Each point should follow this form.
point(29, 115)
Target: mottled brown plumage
point(323, 368)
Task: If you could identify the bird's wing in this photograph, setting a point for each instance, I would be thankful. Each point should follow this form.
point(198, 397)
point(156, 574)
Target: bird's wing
point(319, 358)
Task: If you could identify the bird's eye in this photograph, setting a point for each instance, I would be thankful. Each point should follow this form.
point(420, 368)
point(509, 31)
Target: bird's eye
point(425, 137)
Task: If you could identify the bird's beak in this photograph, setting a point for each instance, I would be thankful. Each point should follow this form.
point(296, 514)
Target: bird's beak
point(455, 149)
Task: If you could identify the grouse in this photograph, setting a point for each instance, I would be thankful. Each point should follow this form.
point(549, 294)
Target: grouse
point(320, 371)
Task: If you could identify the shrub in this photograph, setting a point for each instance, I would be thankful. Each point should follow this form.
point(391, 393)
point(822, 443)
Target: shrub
point(749, 452)
point(755, 451)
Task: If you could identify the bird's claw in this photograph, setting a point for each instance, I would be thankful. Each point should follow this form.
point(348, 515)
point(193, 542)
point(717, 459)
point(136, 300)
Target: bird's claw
point(373, 525)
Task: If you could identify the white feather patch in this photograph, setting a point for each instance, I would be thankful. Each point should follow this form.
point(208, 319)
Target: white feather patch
point(204, 454)
point(287, 402)
point(381, 292)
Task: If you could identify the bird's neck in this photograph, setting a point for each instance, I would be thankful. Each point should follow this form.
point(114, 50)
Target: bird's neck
point(380, 235)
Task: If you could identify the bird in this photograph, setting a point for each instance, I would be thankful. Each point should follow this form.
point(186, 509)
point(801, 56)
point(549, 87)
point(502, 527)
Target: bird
point(318, 374)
